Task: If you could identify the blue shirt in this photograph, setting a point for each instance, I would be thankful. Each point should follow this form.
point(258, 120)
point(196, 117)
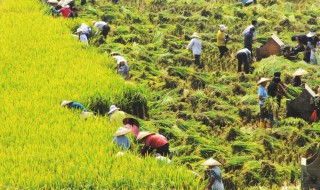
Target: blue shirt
point(76, 105)
point(248, 41)
point(263, 93)
point(122, 141)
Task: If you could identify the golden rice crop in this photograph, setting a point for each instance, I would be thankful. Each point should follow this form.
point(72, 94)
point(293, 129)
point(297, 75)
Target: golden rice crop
point(43, 145)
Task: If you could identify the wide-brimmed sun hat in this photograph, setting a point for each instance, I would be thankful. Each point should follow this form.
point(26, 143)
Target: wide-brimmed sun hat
point(80, 30)
point(86, 114)
point(113, 108)
point(311, 34)
point(131, 121)
point(222, 27)
point(143, 134)
point(195, 35)
point(122, 131)
point(65, 102)
point(263, 80)
point(65, 5)
point(211, 162)
point(300, 72)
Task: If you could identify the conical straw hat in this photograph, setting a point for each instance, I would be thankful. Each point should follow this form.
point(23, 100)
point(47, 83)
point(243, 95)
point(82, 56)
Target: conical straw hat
point(300, 72)
point(143, 134)
point(211, 162)
point(131, 121)
point(122, 131)
point(195, 35)
point(53, 1)
point(263, 80)
point(65, 102)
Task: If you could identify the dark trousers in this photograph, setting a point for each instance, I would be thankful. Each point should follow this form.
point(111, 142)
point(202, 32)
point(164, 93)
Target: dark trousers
point(197, 61)
point(105, 30)
point(223, 50)
point(163, 150)
point(242, 59)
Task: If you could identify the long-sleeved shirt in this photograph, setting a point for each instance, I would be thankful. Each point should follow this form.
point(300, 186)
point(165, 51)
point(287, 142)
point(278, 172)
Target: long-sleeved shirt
point(296, 81)
point(83, 38)
point(122, 141)
point(76, 105)
point(99, 25)
point(248, 30)
point(248, 40)
point(85, 28)
point(195, 43)
point(117, 117)
point(247, 52)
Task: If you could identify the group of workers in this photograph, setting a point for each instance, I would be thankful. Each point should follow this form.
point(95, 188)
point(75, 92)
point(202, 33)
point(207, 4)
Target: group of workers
point(276, 89)
point(244, 55)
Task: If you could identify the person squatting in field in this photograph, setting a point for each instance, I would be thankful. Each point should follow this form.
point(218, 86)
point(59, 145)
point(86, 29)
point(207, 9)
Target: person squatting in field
point(154, 141)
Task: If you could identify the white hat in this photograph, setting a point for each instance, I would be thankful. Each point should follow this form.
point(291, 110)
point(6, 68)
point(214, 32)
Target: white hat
point(122, 131)
point(121, 60)
point(263, 80)
point(65, 5)
point(222, 27)
point(195, 35)
point(211, 162)
point(113, 108)
point(86, 114)
point(65, 102)
point(311, 34)
point(143, 134)
point(300, 72)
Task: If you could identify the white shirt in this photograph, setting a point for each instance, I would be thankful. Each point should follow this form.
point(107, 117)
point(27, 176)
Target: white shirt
point(83, 38)
point(99, 25)
point(245, 50)
point(195, 43)
point(248, 30)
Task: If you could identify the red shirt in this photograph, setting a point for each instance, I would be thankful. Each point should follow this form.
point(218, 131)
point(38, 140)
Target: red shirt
point(65, 12)
point(156, 141)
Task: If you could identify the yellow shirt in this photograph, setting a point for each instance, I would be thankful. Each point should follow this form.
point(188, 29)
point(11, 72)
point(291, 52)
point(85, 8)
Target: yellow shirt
point(117, 118)
point(220, 38)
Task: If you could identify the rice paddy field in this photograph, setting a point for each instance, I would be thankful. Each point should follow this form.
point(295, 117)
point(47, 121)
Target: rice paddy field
point(204, 113)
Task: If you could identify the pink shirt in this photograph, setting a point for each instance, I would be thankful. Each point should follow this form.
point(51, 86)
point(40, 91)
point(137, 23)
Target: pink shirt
point(156, 141)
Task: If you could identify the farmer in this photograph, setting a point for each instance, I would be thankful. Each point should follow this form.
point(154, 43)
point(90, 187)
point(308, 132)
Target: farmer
point(195, 44)
point(153, 141)
point(222, 38)
point(297, 77)
point(262, 95)
point(103, 27)
point(82, 37)
point(302, 40)
point(116, 116)
point(123, 68)
point(132, 124)
point(65, 10)
point(244, 57)
point(215, 180)
point(120, 139)
point(253, 25)
point(248, 39)
point(273, 91)
point(72, 104)
point(86, 30)
point(312, 44)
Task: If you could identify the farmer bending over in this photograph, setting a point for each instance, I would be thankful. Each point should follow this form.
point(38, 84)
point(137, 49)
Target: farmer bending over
point(154, 141)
